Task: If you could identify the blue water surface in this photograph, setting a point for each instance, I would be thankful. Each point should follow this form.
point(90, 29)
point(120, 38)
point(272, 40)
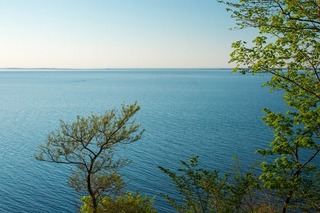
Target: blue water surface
point(211, 113)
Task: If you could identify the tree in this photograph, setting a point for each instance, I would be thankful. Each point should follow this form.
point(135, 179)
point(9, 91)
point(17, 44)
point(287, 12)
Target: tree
point(203, 190)
point(88, 144)
point(288, 48)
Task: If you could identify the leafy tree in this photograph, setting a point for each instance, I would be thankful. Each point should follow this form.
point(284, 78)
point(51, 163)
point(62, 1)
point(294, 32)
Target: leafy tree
point(126, 203)
point(288, 48)
point(88, 144)
point(204, 190)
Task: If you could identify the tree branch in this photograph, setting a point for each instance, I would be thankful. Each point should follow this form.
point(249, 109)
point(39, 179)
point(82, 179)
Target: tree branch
point(294, 82)
point(296, 19)
point(308, 161)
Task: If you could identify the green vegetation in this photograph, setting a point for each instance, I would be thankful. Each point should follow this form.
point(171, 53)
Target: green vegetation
point(288, 48)
point(204, 190)
point(88, 144)
point(126, 203)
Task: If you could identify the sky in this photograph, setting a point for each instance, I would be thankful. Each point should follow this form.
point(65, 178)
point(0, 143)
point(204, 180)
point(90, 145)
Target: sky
point(116, 34)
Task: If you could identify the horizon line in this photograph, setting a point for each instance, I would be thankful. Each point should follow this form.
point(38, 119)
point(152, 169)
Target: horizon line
point(110, 68)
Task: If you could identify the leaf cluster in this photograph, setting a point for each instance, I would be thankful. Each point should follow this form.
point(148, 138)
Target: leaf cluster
point(204, 190)
point(125, 203)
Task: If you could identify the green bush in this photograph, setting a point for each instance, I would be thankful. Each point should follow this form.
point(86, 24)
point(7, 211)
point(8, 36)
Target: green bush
point(126, 203)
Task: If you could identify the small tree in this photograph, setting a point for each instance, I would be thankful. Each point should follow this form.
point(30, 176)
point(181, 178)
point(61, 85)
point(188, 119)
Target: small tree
point(88, 144)
point(203, 190)
point(288, 48)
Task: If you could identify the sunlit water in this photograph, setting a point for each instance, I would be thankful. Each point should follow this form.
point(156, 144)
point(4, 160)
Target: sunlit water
point(211, 113)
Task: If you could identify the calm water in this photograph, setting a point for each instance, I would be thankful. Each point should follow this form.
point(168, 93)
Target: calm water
point(211, 113)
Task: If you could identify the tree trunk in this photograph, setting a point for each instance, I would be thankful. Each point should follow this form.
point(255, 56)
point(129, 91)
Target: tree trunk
point(92, 195)
point(286, 202)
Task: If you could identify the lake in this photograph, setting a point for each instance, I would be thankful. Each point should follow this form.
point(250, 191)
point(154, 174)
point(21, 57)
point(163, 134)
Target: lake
point(207, 112)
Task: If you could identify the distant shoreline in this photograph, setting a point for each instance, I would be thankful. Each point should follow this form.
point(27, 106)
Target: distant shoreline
point(111, 69)
point(165, 68)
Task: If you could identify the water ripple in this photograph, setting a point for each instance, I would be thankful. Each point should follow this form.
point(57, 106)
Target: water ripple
point(213, 114)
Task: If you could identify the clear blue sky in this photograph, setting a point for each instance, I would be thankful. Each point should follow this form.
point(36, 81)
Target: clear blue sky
point(115, 34)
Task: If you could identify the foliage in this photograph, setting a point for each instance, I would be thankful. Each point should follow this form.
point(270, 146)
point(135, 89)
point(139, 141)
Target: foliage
point(288, 48)
point(207, 191)
point(126, 203)
point(88, 144)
